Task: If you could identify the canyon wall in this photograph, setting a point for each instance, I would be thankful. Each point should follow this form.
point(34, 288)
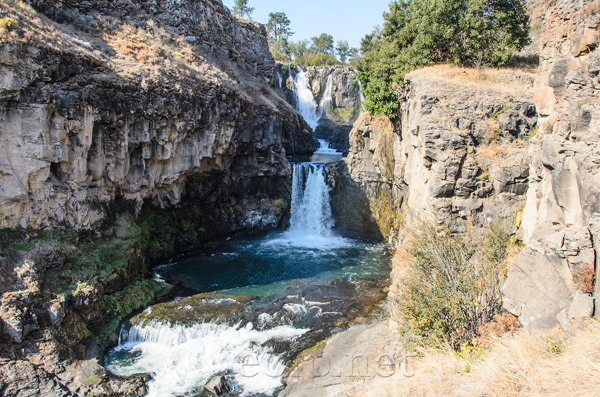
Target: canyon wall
point(550, 281)
point(146, 102)
point(456, 151)
point(483, 146)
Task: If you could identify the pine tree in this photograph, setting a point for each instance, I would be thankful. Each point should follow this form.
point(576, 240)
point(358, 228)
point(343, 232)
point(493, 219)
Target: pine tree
point(278, 29)
point(240, 8)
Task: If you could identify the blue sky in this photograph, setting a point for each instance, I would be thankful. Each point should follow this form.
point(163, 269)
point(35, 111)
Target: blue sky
point(344, 20)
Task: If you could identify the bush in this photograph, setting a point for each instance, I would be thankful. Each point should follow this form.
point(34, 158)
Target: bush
point(317, 59)
point(421, 32)
point(453, 285)
point(9, 24)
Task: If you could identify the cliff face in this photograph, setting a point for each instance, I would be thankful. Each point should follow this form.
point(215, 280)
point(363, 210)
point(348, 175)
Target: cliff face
point(551, 280)
point(141, 102)
point(456, 152)
point(466, 146)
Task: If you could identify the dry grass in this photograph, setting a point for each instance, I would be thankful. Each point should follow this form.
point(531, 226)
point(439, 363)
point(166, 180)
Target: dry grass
point(527, 363)
point(494, 150)
point(586, 278)
point(148, 50)
point(509, 80)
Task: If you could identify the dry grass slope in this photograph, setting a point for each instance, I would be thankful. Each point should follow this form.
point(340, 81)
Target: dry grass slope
point(508, 80)
point(527, 363)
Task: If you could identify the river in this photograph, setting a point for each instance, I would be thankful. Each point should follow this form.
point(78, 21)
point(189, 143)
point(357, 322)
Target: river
point(260, 299)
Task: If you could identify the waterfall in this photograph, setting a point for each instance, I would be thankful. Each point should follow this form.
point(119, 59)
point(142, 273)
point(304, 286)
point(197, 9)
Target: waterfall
point(278, 80)
point(324, 148)
point(183, 358)
point(362, 97)
point(311, 222)
point(326, 99)
point(311, 211)
point(305, 101)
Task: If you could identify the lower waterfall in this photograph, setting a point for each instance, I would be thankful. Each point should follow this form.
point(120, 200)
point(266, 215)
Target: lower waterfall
point(182, 358)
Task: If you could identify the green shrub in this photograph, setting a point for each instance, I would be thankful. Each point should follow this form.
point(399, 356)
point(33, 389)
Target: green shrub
point(317, 59)
point(9, 24)
point(344, 112)
point(453, 285)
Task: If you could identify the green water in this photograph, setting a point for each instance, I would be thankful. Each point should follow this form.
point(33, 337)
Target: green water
point(265, 265)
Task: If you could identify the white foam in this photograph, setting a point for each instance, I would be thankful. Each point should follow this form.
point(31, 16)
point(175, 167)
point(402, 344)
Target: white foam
point(325, 149)
point(182, 359)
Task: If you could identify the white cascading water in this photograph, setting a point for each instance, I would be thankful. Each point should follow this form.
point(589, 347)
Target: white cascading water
point(325, 149)
point(181, 359)
point(326, 98)
point(305, 101)
point(311, 211)
point(278, 80)
point(362, 97)
point(311, 221)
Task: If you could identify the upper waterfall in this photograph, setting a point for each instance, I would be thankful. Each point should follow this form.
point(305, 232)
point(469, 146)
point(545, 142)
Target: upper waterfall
point(305, 100)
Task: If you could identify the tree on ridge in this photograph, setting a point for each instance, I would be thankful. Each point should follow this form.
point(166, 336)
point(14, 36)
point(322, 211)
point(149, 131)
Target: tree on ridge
point(240, 8)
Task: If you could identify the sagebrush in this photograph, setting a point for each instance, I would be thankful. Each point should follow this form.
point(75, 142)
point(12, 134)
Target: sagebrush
point(453, 287)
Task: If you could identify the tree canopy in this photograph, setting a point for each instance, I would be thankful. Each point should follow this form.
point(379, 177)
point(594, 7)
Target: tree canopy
point(323, 43)
point(421, 32)
point(278, 29)
point(240, 8)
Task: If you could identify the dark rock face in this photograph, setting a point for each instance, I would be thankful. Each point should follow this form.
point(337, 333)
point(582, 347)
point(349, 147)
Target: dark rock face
point(350, 206)
point(149, 111)
point(546, 284)
point(138, 113)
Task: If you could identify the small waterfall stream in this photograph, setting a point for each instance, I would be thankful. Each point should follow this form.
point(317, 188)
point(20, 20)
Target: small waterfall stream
point(311, 211)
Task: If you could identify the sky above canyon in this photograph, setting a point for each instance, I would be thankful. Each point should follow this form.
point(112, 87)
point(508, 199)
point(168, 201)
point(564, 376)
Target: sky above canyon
point(343, 19)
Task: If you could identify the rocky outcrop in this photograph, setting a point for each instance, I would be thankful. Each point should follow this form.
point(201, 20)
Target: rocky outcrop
point(551, 280)
point(338, 89)
point(141, 101)
point(457, 151)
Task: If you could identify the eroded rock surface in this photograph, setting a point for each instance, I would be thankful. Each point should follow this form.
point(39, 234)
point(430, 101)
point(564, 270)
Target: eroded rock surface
point(545, 285)
point(116, 100)
point(456, 152)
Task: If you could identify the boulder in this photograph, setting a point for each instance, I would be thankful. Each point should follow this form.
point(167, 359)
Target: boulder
point(217, 386)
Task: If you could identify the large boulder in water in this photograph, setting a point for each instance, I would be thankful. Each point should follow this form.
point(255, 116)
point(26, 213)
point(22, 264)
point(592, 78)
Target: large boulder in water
point(197, 309)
